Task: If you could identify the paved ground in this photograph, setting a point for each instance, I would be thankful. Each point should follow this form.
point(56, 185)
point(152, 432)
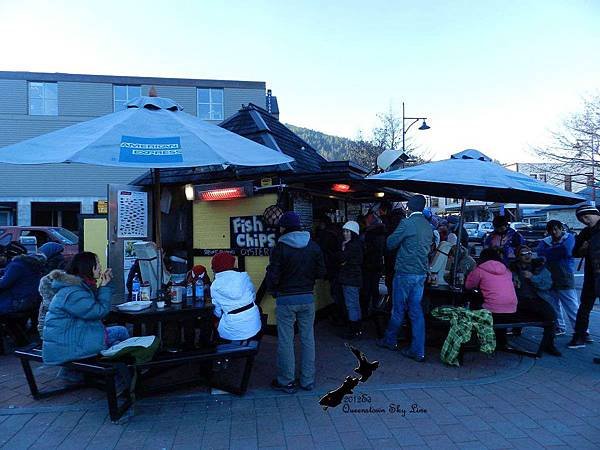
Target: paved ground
point(507, 402)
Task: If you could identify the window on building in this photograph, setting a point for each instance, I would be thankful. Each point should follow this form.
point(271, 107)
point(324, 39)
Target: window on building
point(210, 104)
point(43, 99)
point(123, 93)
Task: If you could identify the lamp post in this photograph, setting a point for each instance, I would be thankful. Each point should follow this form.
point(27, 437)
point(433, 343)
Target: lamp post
point(579, 144)
point(423, 126)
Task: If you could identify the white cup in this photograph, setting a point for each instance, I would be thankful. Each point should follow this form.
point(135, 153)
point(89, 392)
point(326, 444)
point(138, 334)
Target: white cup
point(160, 304)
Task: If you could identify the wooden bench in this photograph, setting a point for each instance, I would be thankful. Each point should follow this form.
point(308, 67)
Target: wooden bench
point(102, 373)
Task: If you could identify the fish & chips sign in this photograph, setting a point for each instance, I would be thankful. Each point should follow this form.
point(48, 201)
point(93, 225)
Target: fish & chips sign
point(250, 236)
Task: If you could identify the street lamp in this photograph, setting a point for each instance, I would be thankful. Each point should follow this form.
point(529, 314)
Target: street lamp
point(423, 126)
point(579, 144)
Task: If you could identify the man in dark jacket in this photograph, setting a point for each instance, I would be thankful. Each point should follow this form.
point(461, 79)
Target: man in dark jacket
point(587, 245)
point(374, 239)
point(453, 228)
point(412, 239)
point(295, 263)
point(329, 239)
point(19, 284)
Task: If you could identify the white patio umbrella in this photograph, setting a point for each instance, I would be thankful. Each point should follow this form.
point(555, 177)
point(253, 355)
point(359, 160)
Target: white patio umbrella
point(472, 175)
point(153, 133)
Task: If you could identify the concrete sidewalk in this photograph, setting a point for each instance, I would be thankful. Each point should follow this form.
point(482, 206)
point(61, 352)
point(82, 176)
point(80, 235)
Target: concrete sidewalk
point(545, 403)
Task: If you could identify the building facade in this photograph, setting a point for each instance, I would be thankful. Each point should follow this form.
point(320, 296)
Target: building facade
point(32, 104)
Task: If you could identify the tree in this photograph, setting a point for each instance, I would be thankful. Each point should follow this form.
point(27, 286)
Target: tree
point(387, 135)
point(574, 152)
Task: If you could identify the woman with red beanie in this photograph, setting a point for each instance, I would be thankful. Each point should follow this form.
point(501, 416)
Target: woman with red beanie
point(233, 294)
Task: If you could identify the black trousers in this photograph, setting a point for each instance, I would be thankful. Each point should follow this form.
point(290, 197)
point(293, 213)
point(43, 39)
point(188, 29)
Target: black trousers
point(370, 291)
point(589, 293)
point(528, 310)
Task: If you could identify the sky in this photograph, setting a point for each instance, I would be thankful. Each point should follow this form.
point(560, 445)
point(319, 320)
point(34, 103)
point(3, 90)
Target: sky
point(495, 75)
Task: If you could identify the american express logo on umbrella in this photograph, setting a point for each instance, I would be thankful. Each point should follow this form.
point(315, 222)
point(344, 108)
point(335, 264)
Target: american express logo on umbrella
point(160, 150)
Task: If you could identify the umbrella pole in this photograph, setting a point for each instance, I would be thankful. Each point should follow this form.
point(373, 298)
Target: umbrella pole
point(458, 244)
point(157, 227)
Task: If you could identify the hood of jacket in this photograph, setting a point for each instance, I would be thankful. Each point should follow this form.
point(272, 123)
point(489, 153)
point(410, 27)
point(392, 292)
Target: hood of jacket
point(494, 267)
point(231, 285)
point(34, 262)
point(295, 239)
point(60, 279)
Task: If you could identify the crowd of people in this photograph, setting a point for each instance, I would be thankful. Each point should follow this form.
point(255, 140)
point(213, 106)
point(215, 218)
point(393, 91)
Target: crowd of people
point(407, 249)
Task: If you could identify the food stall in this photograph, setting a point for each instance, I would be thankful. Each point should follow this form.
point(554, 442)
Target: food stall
point(235, 209)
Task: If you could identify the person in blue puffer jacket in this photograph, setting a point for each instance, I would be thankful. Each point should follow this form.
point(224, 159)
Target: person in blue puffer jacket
point(557, 249)
point(73, 326)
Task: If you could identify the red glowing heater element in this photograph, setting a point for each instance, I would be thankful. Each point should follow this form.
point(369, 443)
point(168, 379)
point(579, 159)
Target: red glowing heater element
point(338, 187)
point(222, 194)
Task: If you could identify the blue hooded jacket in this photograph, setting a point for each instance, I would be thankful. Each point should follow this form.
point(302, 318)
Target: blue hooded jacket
point(559, 260)
point(73, 327)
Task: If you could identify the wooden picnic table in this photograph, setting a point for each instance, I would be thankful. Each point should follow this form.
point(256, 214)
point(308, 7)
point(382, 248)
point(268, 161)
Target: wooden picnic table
point(185, 316)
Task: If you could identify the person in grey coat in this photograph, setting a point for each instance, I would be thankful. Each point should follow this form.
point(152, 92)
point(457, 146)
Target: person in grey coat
point(412, 239)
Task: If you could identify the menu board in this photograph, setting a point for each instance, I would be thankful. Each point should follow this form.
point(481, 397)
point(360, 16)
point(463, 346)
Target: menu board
point(132, 214)
point(303, 207)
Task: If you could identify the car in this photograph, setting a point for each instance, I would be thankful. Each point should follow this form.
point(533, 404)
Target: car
point(477, 230)
point(520, 226)
point(42, 234)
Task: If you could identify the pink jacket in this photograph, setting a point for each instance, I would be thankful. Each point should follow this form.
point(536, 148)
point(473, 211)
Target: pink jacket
point(494, 280)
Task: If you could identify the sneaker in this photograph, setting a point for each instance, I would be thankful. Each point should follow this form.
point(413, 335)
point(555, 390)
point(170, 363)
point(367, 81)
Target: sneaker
point(289, 388)
point(588, 339)
point(576, 342)
point(381, 343)
point(560, 332)
point(407, 353)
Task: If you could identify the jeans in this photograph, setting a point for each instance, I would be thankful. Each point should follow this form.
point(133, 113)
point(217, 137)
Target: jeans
point(352, 299)
point(115, 334)
point(287, 315)
point(407, 290)
point(563, 300)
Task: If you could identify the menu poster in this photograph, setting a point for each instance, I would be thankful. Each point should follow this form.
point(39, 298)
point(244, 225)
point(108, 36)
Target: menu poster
point(132, 214)
point(303, 207)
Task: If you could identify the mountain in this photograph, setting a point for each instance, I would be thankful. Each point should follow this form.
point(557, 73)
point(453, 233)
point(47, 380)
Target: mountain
point(336, 148)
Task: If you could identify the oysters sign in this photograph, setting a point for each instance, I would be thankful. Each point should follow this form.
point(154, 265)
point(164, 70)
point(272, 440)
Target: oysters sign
point(250, 232)
point(150, 150)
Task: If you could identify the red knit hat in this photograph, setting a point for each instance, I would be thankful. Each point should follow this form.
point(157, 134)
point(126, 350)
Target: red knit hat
point(223, 261)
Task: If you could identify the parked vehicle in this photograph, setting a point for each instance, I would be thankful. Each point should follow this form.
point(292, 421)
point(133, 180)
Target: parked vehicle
point(478, 230)
point(520, 226)
point(42, 235)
